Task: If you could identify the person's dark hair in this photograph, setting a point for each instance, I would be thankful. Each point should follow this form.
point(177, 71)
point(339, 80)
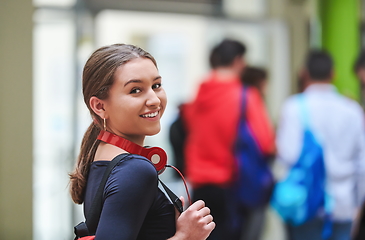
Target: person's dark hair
point(98, 77)
point(360, 61)
point(319, 65)
point(225, 52)
point(253, 76)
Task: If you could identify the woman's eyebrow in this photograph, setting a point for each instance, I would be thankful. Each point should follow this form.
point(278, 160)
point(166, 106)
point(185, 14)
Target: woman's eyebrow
point(132, 81)
point(139, 81)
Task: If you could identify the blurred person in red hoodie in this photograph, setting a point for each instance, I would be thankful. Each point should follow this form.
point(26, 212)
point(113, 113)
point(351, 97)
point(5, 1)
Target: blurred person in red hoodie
point(211, 122)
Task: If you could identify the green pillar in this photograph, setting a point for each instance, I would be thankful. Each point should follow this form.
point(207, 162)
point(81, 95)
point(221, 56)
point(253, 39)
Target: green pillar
point(340, 21)
point(16, 120)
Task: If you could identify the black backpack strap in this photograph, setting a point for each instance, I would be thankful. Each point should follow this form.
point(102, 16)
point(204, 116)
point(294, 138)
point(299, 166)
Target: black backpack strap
point(92, 219)
point(81, 230)
point(174, 199)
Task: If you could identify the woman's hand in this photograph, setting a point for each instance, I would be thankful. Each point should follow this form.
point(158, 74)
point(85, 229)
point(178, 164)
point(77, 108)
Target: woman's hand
point(195, 223)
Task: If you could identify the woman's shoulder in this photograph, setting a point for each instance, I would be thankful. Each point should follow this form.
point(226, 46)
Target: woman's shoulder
point(135, 174)
point(135, 166)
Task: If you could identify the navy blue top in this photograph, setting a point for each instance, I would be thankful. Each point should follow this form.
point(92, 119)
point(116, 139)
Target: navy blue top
point(134, 207)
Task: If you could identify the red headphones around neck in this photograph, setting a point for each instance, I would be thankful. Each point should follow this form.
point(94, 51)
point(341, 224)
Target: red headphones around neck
point(156, 155)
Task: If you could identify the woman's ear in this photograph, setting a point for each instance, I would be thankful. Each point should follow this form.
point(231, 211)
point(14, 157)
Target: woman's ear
point(97, 106)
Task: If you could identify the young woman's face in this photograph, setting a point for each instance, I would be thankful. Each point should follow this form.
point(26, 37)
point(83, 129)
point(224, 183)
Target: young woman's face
point(136, 100)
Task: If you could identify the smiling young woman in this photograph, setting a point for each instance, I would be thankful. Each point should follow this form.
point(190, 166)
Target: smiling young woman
point(123, 91)
point(136, 101)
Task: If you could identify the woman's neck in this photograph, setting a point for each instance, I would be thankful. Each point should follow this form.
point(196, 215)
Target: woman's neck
point(106, 152)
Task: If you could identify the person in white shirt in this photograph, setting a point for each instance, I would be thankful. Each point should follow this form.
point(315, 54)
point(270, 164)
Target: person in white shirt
point(338, 122)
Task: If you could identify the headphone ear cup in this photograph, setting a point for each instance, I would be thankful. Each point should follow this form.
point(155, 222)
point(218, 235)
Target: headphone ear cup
point(157, 156)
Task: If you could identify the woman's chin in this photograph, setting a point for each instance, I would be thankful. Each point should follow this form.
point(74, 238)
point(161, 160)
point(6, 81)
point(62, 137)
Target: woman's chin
point(153, 132)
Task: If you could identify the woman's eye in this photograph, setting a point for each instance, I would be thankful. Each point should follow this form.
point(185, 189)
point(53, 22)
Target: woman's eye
point(135, 90)
point(157, 85)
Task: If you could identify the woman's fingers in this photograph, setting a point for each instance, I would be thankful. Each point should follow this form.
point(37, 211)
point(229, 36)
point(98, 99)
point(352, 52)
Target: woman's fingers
point(208, 219)
point(210, 226)
point(182, 199)
point(196, 222)
point(197, 205)
point(204, 211)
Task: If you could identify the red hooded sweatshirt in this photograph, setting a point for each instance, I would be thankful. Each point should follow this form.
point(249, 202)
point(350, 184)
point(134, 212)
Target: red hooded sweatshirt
point(212, 121)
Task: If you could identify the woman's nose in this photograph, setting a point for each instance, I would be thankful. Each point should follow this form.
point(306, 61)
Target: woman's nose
point(152, 98)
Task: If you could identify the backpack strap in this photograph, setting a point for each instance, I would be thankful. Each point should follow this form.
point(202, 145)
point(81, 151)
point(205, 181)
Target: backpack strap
point(92, 219)
point(328, 201)
point(303, 111)
point(244, 103)
point(305, 117)
point(242, 116)
point(174, 199)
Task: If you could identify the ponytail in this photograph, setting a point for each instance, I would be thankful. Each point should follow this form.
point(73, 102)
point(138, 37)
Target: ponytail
point(78, 178)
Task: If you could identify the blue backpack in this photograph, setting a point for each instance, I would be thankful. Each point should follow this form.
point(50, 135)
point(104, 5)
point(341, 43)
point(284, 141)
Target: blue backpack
point(255, 180)
point(299, 197)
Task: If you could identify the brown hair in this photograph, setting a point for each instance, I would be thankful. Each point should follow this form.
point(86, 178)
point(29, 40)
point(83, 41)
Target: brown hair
point(254, 77)
point(97, 78)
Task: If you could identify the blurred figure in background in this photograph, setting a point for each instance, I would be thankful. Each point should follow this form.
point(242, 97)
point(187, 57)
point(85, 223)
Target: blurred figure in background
point(359, 69)
point(301, 84)
point(177, 138)
point(255, 77)
point(338, 122)
point(254, 150)
point(211, 124)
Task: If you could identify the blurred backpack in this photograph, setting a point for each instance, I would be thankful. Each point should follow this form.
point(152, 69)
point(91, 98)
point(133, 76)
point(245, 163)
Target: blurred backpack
point(299, 197)
point(255, 180)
